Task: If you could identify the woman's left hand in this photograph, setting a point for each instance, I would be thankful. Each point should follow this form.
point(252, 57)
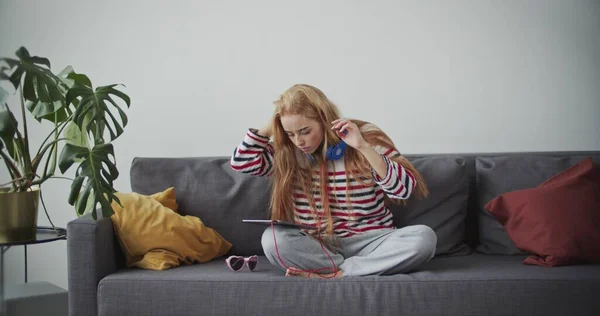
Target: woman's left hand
point(352, 136)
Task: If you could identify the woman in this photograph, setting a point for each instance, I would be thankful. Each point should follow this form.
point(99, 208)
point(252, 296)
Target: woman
point(354, 232)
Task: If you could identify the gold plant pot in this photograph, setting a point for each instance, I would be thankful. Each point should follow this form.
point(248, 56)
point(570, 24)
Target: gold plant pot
point(18, 215)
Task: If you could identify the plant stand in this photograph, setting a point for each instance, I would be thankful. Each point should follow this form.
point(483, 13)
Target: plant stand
point(36, 298)
point(37, 290)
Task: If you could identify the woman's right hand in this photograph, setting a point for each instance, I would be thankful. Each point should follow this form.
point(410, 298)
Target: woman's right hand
point(266, 131)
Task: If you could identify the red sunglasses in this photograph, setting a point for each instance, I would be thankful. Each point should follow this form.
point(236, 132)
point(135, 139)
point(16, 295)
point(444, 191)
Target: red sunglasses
point(236, 263)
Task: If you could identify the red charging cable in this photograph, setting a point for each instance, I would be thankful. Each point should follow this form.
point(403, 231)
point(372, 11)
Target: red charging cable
point(335, 269)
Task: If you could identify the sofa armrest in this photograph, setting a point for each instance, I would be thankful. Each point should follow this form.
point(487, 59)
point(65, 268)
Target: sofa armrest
point(92, 254)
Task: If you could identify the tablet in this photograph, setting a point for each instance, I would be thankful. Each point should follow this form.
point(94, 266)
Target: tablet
point(267, 222)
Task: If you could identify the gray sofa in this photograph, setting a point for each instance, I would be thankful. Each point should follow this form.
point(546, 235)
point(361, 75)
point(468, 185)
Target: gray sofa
point(477, 269)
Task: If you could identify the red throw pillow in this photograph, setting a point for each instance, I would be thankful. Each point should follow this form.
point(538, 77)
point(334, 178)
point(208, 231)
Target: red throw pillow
point(557, 222)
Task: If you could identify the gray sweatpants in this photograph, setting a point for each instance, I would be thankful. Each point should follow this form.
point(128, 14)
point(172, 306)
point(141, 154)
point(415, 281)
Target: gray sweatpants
point(379, 252)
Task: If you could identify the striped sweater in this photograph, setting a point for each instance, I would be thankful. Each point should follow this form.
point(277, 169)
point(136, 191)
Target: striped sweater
point(366, 211)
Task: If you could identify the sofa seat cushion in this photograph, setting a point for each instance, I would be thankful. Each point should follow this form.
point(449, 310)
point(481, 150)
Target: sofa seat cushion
point(459, 285)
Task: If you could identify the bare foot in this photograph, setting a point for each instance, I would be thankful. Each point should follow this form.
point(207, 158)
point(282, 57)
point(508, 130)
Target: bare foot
point(298, 273)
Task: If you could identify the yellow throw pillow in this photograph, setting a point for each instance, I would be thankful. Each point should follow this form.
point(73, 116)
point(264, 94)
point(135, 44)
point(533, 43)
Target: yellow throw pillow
point(167, 198)
point(153, 236)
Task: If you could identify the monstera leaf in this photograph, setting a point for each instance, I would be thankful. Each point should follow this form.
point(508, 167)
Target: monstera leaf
point(93, 113)
point(12, 141)
point(54, 111)
point(8, 126)
point(8, 129)
point(44, 90)
point(94, 177)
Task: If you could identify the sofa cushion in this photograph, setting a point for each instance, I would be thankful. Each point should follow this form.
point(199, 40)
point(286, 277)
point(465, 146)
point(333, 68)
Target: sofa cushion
point(168, 198)
point(208, 188)
point(558, 222)
point(475, 284)
point(500, 174)
point(153, 236)
point(445, 209)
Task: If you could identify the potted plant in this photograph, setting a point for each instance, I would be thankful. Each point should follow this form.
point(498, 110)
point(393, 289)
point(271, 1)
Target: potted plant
point(81, 117)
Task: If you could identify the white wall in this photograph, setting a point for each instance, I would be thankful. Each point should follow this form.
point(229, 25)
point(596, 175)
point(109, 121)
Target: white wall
point(438, 76)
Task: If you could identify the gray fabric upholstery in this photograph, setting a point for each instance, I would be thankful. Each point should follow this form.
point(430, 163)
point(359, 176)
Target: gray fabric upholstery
point(209, 189)
point(92, 254)
point(476, 284)
point(471, 284)
point(197, 181)
point(445, 209)
point(501, 174)
point(473, 207)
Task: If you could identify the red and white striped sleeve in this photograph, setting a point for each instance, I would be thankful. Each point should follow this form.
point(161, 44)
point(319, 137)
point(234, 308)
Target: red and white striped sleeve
point(398, 182)
point(254, 155)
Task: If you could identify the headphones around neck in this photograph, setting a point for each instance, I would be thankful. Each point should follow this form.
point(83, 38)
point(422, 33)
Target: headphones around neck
point(334, 152)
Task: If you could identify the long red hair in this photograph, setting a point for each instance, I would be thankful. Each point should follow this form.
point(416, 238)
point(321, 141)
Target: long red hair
point(291, 167)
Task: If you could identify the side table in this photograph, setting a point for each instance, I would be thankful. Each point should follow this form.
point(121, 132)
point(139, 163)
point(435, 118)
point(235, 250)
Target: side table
point(44, 234)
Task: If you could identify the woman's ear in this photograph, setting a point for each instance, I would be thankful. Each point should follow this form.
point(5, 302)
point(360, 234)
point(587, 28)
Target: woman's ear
point(340, 134)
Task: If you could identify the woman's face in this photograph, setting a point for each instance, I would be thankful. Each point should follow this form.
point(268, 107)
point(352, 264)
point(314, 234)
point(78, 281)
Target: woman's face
point(304, 132)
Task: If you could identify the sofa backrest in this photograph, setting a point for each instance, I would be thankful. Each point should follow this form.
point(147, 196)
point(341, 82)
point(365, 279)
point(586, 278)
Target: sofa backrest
point(541, 164)
point(208, 188)
point(497, 173)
